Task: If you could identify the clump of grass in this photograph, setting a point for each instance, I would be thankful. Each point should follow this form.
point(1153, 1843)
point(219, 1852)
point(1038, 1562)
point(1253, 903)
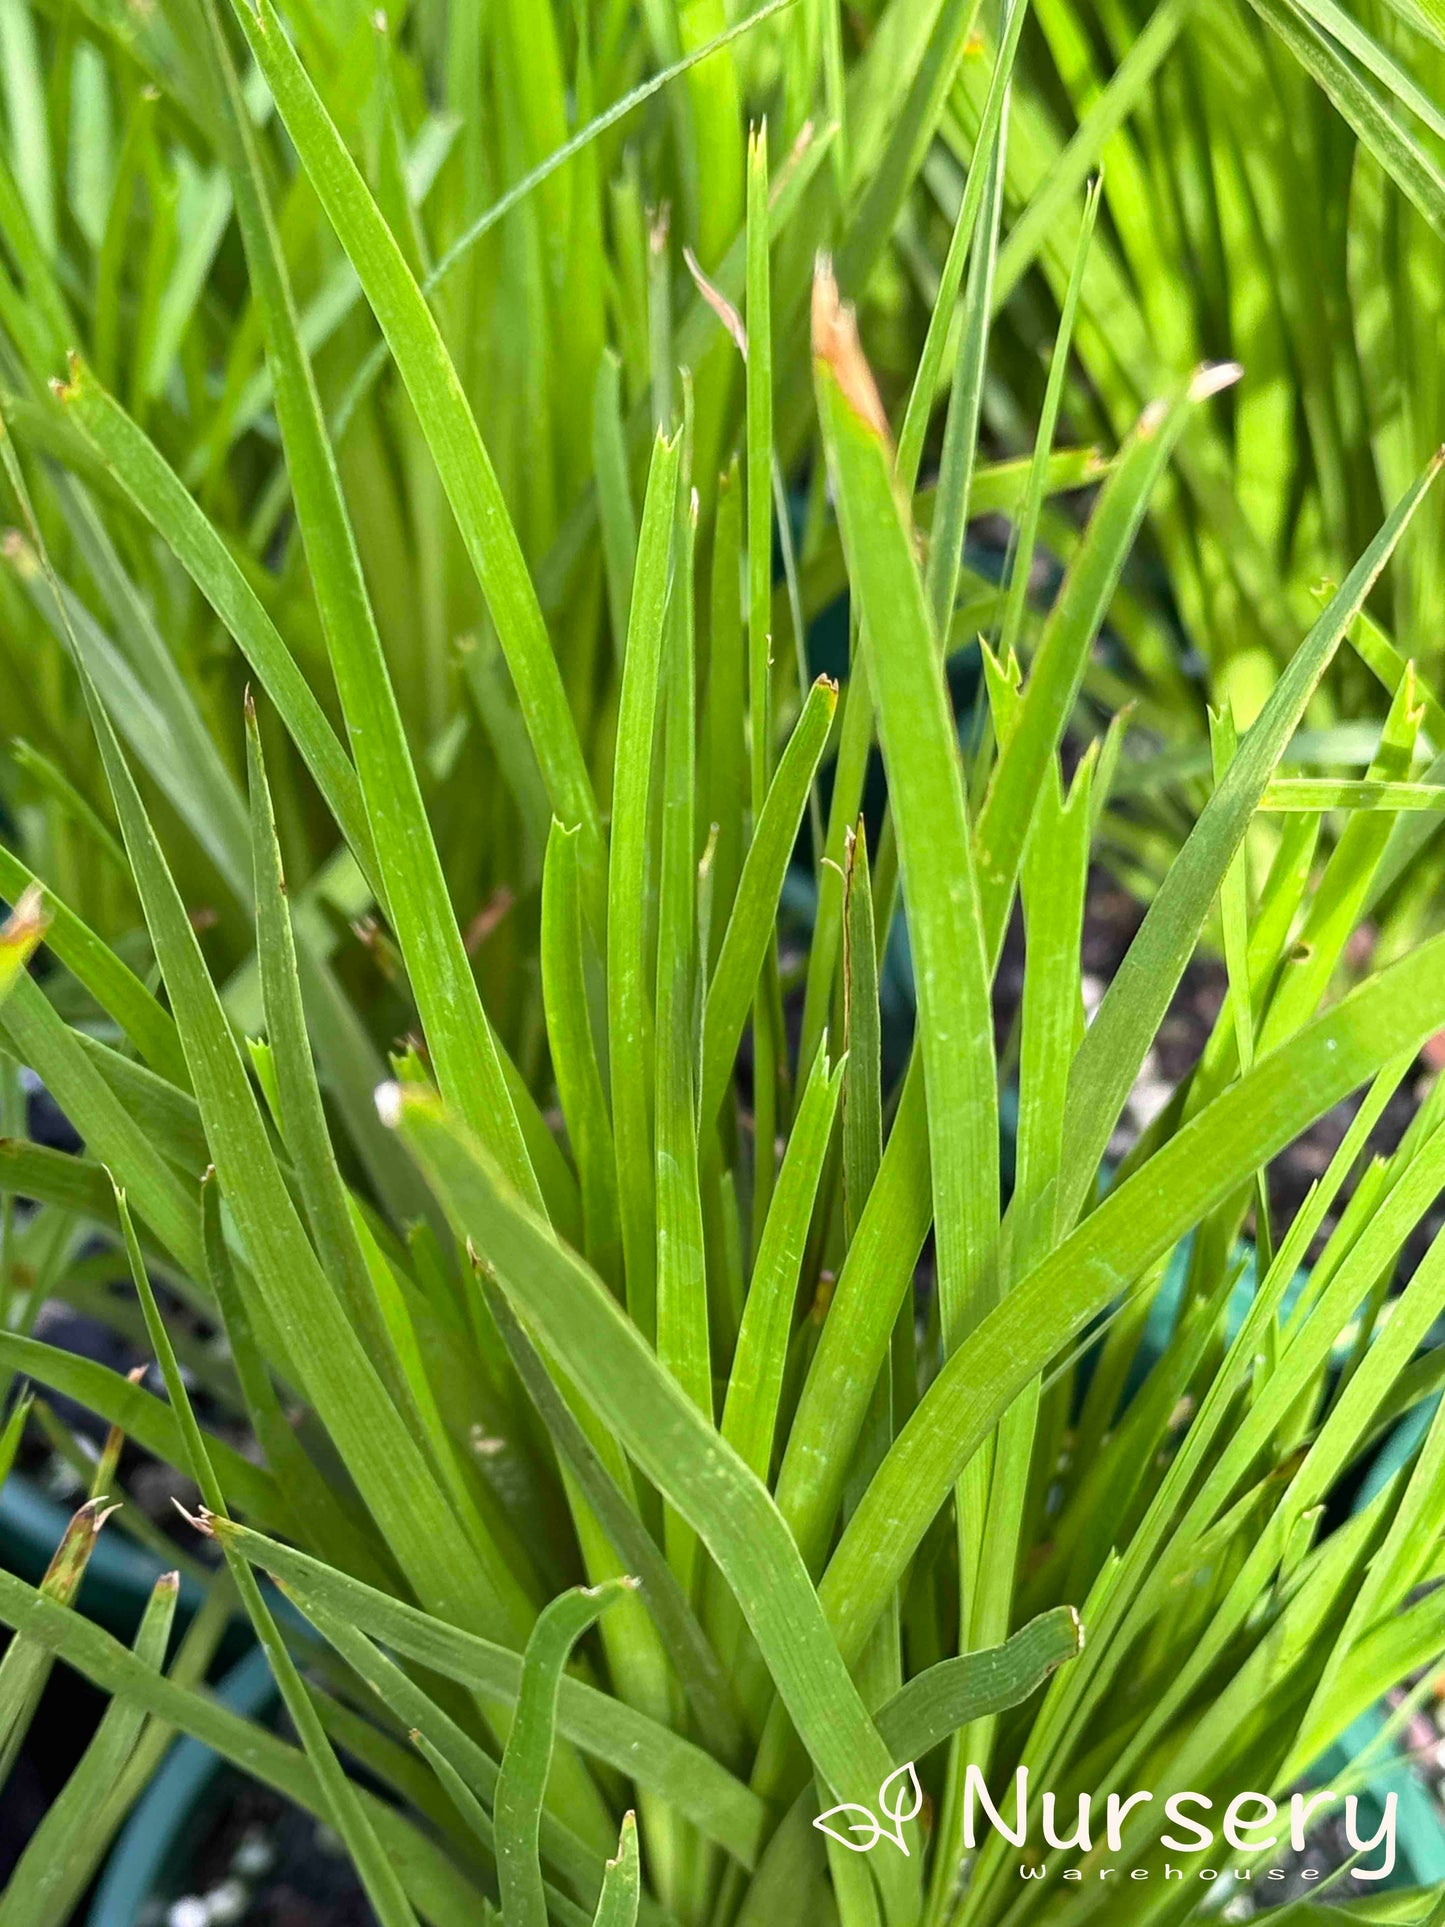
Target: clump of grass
point(418, 747)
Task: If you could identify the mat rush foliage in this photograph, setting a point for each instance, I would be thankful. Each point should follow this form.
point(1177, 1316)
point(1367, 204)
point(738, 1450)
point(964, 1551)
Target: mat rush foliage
point(636, 1414)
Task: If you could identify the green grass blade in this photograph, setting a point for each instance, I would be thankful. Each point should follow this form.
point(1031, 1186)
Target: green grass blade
point(682, 1321)
point(446, 421)
point(297, 1294)
point(726, 780)
point(468, 1771)
point(1129, 1017)
point(63, 1852)
point(25, 1665)
point(930, 364)
point(876, 1277)
point(1128, 85)
point(614, 496)
point(768, 1052)
point(862, 1036)
point(520, 1784)
point(1201, 1165)
point(701, 1789)
point(926, 794)
point(677, 1448)
point(1055, 886)
point(965, 401)
point(167, 1117)
point(749, 927)
point(1399, 149)
point(28, 121)
point(1021, 565)
point(41, 1039)
point(755, 1383)
point(114, 986)
point(298, 1097)
point(458, 1033)
point(442, 1893)
point(1295, 793)
point(759, 470)
point(635, 98)
point(574, 1055)
point(622, 1884)
point(945, 1697)
point(1340, 895)
point(156, 714)
point(703, 1679)
point(58, 788)
point(11, 1431)
point(496, 701)
point(305, 1491)
point(383, 1887)
point(629, 1005)
point(158, 493)
point(1069, 632)
point(875, 215)
point(142, 1417)
point(475, 1815)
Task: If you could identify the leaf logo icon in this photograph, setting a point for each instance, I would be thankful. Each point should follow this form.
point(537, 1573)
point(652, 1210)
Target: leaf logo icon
point(867, 1820)
point(900, 1799)
point(905, 1788)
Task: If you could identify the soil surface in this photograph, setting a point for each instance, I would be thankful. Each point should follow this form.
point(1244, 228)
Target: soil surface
point(267, 1864)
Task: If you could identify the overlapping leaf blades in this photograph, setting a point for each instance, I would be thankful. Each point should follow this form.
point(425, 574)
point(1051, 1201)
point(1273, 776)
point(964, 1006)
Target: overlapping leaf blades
point(630, 1287)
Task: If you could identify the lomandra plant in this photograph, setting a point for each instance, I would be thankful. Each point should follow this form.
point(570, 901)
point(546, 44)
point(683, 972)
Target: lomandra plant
point(627, 1482)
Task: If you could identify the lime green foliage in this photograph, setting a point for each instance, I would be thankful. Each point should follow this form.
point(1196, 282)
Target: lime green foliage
point(448, 900)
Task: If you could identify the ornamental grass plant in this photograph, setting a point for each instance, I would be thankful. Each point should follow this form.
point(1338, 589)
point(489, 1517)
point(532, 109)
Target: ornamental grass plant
point(635, 1415)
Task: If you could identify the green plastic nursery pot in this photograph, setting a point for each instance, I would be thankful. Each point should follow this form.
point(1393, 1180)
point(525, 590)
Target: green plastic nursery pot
point(148, 1865)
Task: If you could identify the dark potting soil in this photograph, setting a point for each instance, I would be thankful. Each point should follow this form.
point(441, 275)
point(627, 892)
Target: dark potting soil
point(64, 1721)
point(268, 1864)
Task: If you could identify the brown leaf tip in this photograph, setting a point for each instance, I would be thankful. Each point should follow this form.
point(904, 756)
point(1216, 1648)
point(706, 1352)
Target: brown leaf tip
point(836, 345)
point(200, 1521)
point(726, 313)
